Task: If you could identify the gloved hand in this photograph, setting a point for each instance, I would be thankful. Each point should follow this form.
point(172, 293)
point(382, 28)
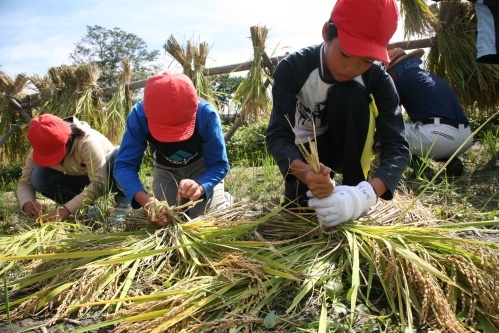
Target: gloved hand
point(344, 204)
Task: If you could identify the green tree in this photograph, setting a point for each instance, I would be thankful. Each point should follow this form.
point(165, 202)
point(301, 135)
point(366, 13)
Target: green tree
point(224, 86)
point(108, 48)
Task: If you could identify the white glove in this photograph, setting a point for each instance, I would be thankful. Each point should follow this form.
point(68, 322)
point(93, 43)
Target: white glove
point(346, 203)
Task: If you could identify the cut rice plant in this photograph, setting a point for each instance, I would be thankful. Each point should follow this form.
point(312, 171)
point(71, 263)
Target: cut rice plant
point(312, 156)
point(181, 54)
point(71, 93)
point(251, 94)
point(158, 209)
point(229, 270)
point(457, 31)
point(12, 122)
point(117, 109)
point(192, 58)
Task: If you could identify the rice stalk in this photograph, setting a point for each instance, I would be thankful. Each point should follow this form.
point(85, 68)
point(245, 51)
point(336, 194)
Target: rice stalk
point(251, 94)
point(312, 156)
point(182, 55)
point(418, 18)
point(116, 110)
point(457, 31)
point(207, 273)
point(16, 146)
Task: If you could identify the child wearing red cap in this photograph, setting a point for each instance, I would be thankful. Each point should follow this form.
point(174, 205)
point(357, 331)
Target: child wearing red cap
point(70, 163)
point(185, 135)
point(340, 92)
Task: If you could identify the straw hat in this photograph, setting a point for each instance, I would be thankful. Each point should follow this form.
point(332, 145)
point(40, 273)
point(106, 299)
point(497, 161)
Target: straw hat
point(397, 55)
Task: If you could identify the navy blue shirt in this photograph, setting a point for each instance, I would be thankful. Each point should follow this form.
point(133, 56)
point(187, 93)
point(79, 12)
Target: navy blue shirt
point(425, 95)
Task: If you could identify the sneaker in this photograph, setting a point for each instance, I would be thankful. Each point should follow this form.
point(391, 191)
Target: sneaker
point(229, 199)
point(455, 168)
point(121, 212)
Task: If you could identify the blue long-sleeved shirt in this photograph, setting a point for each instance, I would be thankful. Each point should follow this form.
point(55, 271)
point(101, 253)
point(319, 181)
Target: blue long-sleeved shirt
point(136, 138)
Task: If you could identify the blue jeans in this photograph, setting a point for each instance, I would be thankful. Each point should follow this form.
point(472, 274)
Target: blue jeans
point(62, 188)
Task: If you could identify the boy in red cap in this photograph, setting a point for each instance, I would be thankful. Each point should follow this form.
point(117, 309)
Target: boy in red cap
point(185, 135)
point(70, 163)
point(340, 92)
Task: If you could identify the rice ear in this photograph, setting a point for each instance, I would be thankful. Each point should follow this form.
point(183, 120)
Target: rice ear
point(312, 157)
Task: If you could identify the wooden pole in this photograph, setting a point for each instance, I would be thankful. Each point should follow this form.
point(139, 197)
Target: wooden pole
point(269, 63)
point(240, 67)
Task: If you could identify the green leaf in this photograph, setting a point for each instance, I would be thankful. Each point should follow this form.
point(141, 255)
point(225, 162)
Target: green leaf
point(270, 320)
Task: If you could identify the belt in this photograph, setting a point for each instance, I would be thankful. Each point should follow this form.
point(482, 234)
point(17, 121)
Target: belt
point(443, 121)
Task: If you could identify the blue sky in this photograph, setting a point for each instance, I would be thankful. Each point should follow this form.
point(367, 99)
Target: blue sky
point(39, 34)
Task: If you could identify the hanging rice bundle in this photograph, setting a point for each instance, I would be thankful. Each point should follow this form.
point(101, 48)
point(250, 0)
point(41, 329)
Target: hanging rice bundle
point(457, 31)
point(192, 58)
point(89, 105)
point(73, 91)
point(183, 56)
point(62, 103)
point(15, 146)
point(118, 107)
point(215, 272)
point(45, 86)
point(252, 94)
point(418, 18)
point(201, 82)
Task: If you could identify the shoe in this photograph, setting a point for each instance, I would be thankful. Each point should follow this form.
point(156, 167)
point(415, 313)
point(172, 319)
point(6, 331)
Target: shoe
point(455, 168)
point(121, 212)
point(229, 199)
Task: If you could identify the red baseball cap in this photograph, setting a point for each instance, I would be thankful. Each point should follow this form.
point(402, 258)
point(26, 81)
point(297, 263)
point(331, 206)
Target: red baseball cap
point(48, 135)
point(170, 105)
point(365, 26)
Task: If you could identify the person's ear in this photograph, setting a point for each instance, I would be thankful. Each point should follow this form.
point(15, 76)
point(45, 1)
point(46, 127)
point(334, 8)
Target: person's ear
point(324, 31)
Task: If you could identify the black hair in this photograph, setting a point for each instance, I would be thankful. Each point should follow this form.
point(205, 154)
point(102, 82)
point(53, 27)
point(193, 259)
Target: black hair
point(332, 31)
point(76, 130)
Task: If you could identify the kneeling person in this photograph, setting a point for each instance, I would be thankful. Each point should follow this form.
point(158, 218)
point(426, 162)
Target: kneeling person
point(185, 135)
point(70, 163)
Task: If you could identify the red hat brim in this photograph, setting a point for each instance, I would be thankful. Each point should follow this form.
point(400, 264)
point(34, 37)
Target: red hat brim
point(362, 48)
point(49, 160)
point(172, 133)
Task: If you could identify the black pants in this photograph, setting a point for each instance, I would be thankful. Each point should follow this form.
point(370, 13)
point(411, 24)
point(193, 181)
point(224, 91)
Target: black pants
point(341, 146)
point(62, 188)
